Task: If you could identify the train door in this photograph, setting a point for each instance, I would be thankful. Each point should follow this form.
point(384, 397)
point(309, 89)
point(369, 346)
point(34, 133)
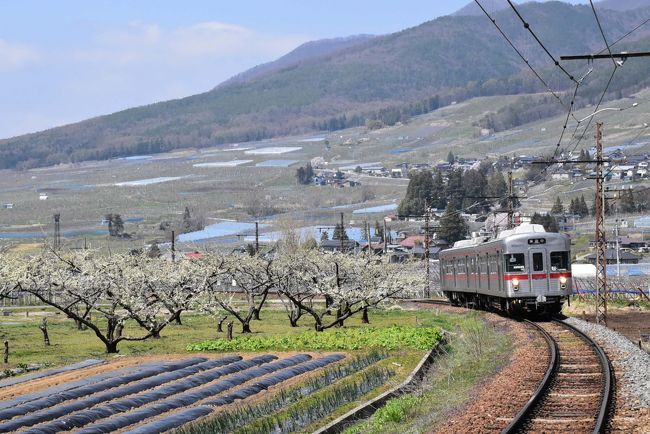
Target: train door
point(538, 272)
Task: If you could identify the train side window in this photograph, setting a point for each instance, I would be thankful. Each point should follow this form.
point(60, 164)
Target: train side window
point(538, 262)
point(515, 262)
point(559, 261)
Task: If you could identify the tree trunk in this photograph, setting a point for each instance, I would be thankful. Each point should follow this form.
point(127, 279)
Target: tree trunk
point(111, 347)
point(246, 327)
point(6, 357)
point(155, 334)
point(178, 319)
point(339, 321)
point(43, 327)
point(365, 319)
point(220, 324)
point(229, 333)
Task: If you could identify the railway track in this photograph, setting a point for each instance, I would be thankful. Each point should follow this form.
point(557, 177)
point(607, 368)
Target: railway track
point(576, 392)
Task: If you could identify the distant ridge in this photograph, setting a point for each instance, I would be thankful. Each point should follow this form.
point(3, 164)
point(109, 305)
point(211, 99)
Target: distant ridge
point(307, 51)
point(336, 84)
point(472, 9)
point(622, 5)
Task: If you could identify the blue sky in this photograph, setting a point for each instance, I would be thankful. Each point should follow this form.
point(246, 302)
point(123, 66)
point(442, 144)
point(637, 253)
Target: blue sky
point(67, 60)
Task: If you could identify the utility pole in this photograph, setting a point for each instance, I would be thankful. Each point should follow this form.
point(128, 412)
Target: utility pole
point(618, 256)
point(385, 238)
point(511, 212)
point(257, 238)
point(367, 226)
point(57, 231)
point(427, 217)
point(173, 246)
point(342, 232)
point(601, 244)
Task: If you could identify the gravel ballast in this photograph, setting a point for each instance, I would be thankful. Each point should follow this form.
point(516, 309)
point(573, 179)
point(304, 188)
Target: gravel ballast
point(632, 370)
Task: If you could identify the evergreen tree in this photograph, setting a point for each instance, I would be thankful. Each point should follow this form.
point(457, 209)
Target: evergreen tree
point(558, 208)
point(453, 226)
point(419, 191)
point(455, 190)
point(583, 210)
point(573, 208)
point(627, 204)
point(379, 230)
point(115, 225)
point(187, 221)
point(497, 187)
point(154, 251)
point(548, 221)
point(451, 158)
point(324, 236)
point(339, 233)
point(438, 198)
point(474, 186)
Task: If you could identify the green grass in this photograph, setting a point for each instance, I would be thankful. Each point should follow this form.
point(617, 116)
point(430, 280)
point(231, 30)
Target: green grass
point(70, 345)
point(475, 352)
point(390, 338)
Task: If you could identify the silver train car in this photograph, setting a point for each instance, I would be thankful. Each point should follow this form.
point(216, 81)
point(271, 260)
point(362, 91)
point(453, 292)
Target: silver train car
point(525, 268)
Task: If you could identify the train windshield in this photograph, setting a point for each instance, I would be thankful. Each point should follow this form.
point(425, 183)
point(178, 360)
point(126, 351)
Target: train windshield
point(559, 261)
point(515, 262)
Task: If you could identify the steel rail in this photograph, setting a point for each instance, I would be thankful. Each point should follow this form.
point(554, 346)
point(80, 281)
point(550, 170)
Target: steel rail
point(517, 424)
point(523, 417)
point(608, 379)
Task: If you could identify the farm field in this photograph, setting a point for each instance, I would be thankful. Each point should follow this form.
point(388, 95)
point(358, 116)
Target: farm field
point(255, 181)
point(156, 385)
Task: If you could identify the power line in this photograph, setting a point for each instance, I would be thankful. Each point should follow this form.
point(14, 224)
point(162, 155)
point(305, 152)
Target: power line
point(527, 27)
point(593, 8)
point(539, 77)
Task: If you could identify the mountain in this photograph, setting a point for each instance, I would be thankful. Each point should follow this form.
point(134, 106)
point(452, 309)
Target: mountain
point(622, 5)
point(386, 78)
point(472, 9)
point(308, 51)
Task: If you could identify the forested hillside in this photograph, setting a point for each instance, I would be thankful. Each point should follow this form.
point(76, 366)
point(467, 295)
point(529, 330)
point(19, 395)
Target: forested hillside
point(387, 78)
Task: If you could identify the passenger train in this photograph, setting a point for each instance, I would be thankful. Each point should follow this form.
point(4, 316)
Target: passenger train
point(525, 268)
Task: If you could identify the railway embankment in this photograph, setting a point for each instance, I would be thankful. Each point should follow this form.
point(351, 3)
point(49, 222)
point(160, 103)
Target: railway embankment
point(632, 372)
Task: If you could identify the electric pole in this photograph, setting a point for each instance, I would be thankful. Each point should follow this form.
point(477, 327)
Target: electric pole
point(57, 231)
point(385, 238)
point(511, 212)
point(601, 244)
point(342, 232)
point(173, 246)
point(257, 238)
point(427, 217)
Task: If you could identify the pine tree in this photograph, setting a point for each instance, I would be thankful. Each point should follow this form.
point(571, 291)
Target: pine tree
point(154, 251)
point(324, 236)
point(558, 208)
point(627, 202)
point(452, 225)
point(583, 209)
point(497, 187)
point(187, 221)
point(379, 231)
point(339, 233)
point(451, 158)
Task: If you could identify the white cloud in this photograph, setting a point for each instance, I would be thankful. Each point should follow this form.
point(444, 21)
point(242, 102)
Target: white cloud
point(16, 55)
point(144, 43)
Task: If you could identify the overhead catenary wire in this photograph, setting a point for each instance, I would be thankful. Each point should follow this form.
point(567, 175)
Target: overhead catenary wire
point(602, 33)
point(541, 44)
point(520, 54)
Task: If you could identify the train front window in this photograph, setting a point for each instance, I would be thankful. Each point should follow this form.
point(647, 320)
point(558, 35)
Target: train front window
point(538, 262)
point(515, 262)
point(559, 261)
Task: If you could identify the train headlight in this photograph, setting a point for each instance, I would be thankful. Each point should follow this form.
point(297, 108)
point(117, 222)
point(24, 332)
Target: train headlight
point(515, 284)
point(563, 280)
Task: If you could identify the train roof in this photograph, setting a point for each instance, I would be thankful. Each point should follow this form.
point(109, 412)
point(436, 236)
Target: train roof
point(523, 229)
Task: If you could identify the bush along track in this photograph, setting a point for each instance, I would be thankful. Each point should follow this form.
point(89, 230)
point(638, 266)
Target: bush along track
point(389, 338)
point(228, 421)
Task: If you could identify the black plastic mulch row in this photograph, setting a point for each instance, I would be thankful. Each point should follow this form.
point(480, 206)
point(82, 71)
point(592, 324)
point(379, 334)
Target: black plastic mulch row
point(191, 397)
point(93, 379)
point(148, 395)
point(180, 418)
point(41, 412)
point(49, 372)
